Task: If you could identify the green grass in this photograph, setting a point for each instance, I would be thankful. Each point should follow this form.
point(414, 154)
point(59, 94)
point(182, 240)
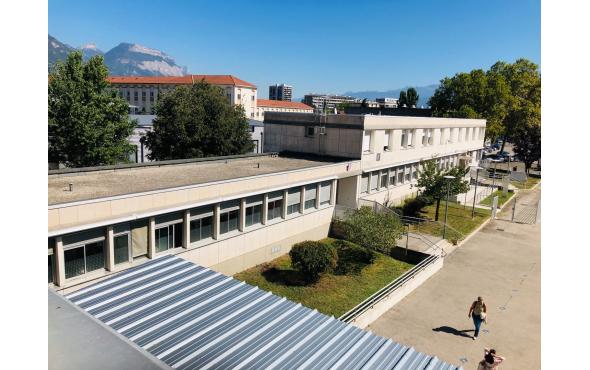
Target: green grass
point(334, 294)
point(487, 201)
point(459, 218)
point(530, 182)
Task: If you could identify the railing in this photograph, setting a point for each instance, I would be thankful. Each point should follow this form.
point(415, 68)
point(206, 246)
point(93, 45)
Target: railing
point(384, 292)
point(435, 229)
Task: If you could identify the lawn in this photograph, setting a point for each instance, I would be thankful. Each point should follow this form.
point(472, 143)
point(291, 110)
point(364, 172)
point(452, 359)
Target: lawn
point(335, 293)
point(530, 182)
point(487, 201)
point(459, 219)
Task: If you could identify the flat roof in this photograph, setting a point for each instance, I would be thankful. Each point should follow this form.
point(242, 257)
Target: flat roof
point(191, 317)
point(101, 182)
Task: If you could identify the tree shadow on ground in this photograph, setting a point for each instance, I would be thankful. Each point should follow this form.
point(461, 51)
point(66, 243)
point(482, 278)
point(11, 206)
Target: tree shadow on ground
point(348, 263)
point(285, 277)
point(449, 330)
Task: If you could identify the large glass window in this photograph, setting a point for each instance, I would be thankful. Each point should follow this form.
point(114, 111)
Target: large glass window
point(325, 192)
point(83, 252)
point(392, 176)
point(253, 210)
point(168, 237)
point(364, 183)
point(374, 180)
point(400, 175)
point(275, 205)
point(310, 196)
point(384, 179)
point(293, 200)
point(228, 221)
point(121, 248)
point(408, 173)
point(201, 224)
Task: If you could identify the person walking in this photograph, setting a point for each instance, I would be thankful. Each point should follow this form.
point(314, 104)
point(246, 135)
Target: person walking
point(490, 360)
point(478, 312)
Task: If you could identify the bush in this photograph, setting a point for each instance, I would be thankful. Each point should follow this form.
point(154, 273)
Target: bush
point(313, 258)
point(377, 231)
point(351, 257)
point(412, 207)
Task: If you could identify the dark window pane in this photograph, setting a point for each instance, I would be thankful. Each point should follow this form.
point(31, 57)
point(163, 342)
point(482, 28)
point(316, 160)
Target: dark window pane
point(206, 227)
point(50, 268)
point(310, 203)
point(74, 262)
point(94, 256)
point(121, 248)
point(233, 220)
point(195, 226)
point(177, 235)
point(162, 239)
point(223, 223)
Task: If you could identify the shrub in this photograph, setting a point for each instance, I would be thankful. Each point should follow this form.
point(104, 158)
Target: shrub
point(313, 258)
point(412, 207)
point(351, 257)
point(377, 231)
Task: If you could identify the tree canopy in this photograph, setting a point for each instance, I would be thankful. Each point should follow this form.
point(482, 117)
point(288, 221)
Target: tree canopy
point(403, 99)
point(412, 97)
point(88, 123)
point(197, 121)
point(433, 185)
point(508, 96)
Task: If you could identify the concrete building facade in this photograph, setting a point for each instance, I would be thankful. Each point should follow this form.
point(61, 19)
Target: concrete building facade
point(326, 102)
point(143, 92)
point(232, 213)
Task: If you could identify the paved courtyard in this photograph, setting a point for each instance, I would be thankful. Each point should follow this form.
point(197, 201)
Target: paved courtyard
point(502, 263)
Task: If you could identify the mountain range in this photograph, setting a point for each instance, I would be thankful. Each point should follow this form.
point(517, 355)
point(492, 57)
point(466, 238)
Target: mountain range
point(424, 94)
point(125, 59)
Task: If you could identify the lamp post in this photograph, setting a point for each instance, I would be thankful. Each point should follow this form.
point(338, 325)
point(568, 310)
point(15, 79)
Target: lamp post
point(448, 178)
point(475, 195)
point(494, 179)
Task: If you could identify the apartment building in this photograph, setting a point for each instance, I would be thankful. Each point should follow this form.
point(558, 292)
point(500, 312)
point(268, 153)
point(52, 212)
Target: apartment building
point(326, 102)
point(280, 92)
point(264, 105)
point(232, 213)
point(142, 92)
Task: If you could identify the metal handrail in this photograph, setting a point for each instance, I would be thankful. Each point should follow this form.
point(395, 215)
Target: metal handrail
point(382, 293)
point(417, 220)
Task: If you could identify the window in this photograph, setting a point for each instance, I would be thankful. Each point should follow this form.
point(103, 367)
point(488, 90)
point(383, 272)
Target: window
point(310, 196)
point(392, 176)
point(400, 175)
point(275, 205)
point(252, 97)
point(411, 138)
point(408, 173)
point(404, 140)
point(310, 131)
point(201, 224)
point(253, 211)
point(384, 179)
point(374, 180)
point(229, 215)
point(386, 141)
point(415, 171)
point(128, 96)
point(121, 248)
point(139, 238)
point(143, 95)
point(151, 96)
point(367, 141)
point(135, 96)
point(252, 115)
point(229, 97)
point(168, 237)
point(239, 96)
point(83, 252)
point(365, 183)
point(325, 192)
point(293, 200)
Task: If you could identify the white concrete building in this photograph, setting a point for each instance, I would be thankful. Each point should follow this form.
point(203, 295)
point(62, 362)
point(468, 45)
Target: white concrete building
point(143, 92)
point(264, 105)
point(232, 213)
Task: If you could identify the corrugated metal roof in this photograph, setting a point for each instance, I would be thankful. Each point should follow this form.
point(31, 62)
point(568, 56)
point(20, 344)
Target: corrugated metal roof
point(191, 317)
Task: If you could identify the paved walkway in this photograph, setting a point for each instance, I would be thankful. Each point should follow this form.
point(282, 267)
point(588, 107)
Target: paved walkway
point(502, 263)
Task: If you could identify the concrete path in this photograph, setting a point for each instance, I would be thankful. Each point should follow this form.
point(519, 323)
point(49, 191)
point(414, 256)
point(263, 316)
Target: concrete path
point(502, 266)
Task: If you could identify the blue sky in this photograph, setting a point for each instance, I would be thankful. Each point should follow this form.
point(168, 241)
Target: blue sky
point(316, 46)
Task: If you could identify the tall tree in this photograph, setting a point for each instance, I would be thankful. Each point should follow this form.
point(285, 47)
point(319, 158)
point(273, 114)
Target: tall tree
point(434, 186)
point(527, 144)
point(88, 123)
point(198, 121)
point(403, 99)
point(412, 97)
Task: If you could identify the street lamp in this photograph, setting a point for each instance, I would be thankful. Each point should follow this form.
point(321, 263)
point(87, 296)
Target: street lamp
point(475, 195)
point(448, 178)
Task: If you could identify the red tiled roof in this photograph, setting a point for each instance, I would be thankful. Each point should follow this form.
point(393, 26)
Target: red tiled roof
point(282, 104)
point(181, 80)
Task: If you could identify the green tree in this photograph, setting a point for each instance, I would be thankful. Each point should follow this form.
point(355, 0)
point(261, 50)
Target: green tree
point(433, 185)
point(403, 99)
point(313, 258)
point(88, 123)
point(527, 144)
point(412, 97)
point(198, 121)
point(377, 231)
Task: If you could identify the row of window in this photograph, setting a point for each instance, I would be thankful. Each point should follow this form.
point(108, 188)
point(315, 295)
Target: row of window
point(85, 251)
point(410, 140)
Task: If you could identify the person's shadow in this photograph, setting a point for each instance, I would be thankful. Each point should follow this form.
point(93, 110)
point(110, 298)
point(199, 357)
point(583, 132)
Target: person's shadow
point(449, 330)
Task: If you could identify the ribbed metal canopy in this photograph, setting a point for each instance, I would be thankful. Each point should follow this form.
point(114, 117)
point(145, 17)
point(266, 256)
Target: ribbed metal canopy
point(191, 317)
